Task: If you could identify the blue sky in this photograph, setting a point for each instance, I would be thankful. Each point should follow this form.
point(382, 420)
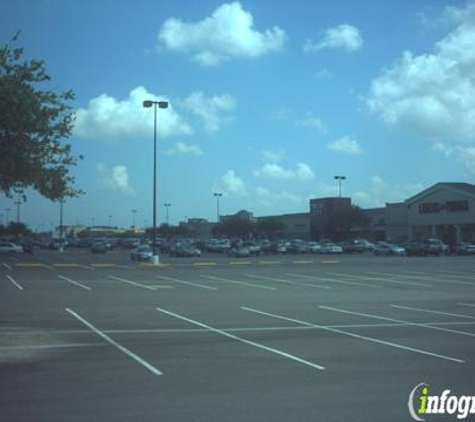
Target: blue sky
point(270, 99)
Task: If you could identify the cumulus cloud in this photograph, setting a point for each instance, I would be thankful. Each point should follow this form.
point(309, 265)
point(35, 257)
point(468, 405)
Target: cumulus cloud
point(230, 183)
point(312, 121)
point(182, 148)
point(107, 118)
point(342, 37)
point(115, 178)
point(209, 109)
point(463, 154)
point(346, 145)
point(228, 33)
point(380, 192)
point(268, 198)
point(274, 156)
point(433, 94)
point(302, 172)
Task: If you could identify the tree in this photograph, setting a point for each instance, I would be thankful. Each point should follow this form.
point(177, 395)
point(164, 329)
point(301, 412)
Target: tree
point(343, 220)
point(269, 227)
point(33, 124)
point(234, 227)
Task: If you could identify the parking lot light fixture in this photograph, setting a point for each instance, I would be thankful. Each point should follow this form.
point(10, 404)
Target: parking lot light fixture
point(155, 105)
point(340, 178)
point(218, 195)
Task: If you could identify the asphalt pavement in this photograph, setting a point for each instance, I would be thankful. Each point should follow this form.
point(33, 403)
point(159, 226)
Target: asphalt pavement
point(88, 337)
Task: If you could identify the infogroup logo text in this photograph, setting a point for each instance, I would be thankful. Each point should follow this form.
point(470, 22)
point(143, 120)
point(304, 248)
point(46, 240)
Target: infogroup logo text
point(421, 404)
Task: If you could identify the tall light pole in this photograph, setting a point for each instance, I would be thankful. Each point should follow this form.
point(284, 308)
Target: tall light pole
point(340, 178)
point(155, 105)
point(218, 195)
point(110, 221)
point(18, 205)
point(7, 217)
point(133, 218)
point(167, 205)
point(61, 242)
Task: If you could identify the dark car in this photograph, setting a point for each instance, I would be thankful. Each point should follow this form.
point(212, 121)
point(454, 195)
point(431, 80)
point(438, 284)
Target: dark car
point(435, 247)
point(353, 246)
point(186, 251)
point(464, 248)
point(99, 247)
point(415, 249)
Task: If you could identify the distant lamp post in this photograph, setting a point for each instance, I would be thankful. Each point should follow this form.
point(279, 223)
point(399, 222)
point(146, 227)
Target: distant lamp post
point(133, 218)
point(155, 105)
point(7, 216)
point(167, 207)
point(218, 195)
point(110, 221)
point(340, 178)
point(61, 227)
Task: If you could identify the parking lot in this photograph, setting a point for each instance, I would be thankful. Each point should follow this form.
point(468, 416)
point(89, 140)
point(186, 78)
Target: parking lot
point(294, 338)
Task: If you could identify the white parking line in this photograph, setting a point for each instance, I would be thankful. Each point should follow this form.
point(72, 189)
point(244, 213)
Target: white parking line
point(14, 282)
point(242, 340)
point(189, 283)
point(123, 349)
point(433, 276)
point(385, 280)
point(7, 266)
point(370, 339)
point(74, 282)
point(133, 283)
point(408, 323)
point(243, 283)
point(279, 280)
point(430, 311)
point(333, 280)
point(466, 304)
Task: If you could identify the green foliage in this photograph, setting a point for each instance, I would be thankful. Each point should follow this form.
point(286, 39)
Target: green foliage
point(268, 227)
point(33, 123)
point(16, 230)
point(234, 227)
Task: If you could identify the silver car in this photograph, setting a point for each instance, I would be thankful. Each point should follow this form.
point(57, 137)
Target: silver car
point(389, 249)
point(141, 253)
point(10, 248)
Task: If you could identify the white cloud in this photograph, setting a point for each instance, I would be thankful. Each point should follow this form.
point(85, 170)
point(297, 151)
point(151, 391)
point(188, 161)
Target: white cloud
point(227, 33)
point(380, 192)
point(274, 156)
point(232, 184)
point(302, 172)
point(346, 145)
point(268, 198)
point(209, 108)
point(323, 74)
point(182, 148)
point(314, 122)
point(342, 37)
point(462, 154)
point(106, 118)
point(115, 178)
point(433, 94)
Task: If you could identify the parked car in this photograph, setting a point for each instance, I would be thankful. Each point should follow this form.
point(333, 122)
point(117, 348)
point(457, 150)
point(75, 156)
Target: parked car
point(415, 249)
point(464, 248)
point(278, 248)
point(184, 251)
point(99, 247)
point(218, 246)
point(331, 248)
point(435, 247)
point(353, 246)
point(389, 249)
point(297, 246)
point(314, 247)
point(254, 248)
point(10, 248)
point(239, 252)
point(141, 253)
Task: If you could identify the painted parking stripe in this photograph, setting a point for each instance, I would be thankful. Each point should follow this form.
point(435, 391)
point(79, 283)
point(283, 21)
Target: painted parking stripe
point(360, 337)
point(242, 340)
point(433, 276)
point(118, 346)
point(384, 280)
point(14, 282)
point(133, 283)
point(430, 311)
point(408, 323)
point(279, 280)
point(7, 266)
point(74, 282)
point(466, 304)
point(243, 283)
point(188, 283)
point(333, 280)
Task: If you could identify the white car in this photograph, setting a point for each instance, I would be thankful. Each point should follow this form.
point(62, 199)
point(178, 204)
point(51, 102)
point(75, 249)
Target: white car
point(389, 249)
point(331, 248)
point(10, 248)
point(141, 253)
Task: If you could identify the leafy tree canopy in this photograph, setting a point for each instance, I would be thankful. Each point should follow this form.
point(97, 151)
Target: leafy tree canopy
point(33, 124)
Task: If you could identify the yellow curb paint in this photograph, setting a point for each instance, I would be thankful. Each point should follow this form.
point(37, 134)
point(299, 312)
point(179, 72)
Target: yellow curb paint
point(64, 265)
point(204, 264)
point(29, 264)
point(102, 265)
